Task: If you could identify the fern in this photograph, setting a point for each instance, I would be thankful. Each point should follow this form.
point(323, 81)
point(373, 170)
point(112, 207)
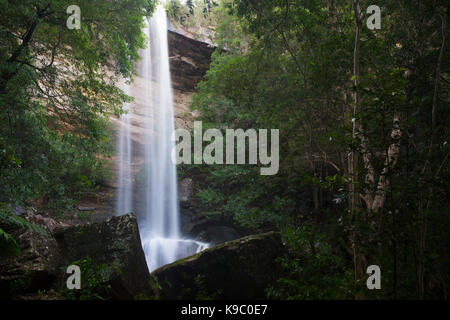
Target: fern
point(7, 218)
point(8, 245)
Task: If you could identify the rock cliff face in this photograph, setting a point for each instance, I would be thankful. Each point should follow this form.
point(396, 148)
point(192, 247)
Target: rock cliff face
point(239, 269)
point(189, 62)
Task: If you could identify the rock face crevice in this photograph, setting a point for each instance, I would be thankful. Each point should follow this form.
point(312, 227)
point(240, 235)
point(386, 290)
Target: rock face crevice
point(189, 61)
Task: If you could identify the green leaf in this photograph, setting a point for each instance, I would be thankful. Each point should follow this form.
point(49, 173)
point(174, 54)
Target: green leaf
point(8, 245)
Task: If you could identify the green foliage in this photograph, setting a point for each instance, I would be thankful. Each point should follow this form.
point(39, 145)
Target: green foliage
point(290, 65)
point(364, 175)
point(7, 218)
point(202, 17)
point(58, 91)
point(8, 245)
point(312, 274)
point(202, 291)
point(176, 11)
point(94, 279)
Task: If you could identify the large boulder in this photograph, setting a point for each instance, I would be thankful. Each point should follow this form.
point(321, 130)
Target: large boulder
point(239, 269)
point(115, 245)
point(36, 267)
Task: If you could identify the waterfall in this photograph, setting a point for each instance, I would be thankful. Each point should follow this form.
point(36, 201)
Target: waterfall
point(161, 186)
point(124, 201)
point(157, 211)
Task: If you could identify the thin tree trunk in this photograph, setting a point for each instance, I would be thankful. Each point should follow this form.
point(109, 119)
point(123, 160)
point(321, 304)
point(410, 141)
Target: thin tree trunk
point(358, 256)
point(422, 232)
point(353, 161)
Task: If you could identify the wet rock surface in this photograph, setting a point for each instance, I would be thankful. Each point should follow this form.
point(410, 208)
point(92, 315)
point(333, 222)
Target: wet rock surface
point(214, 231)
point(114, 244)
point(240, 269)
point(36, 268)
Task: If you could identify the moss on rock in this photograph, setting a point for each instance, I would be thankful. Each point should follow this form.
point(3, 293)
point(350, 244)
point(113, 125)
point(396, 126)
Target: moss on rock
point(239, 269)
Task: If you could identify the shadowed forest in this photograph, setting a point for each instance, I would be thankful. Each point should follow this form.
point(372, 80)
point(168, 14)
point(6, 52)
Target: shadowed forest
point(363, 117)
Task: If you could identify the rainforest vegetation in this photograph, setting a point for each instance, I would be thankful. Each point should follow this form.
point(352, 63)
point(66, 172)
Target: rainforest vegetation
point(57, 91)
point(363, 117)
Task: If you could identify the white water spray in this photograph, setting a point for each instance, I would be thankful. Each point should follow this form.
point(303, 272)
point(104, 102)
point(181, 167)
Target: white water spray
point(158, 214)
point(124, 201)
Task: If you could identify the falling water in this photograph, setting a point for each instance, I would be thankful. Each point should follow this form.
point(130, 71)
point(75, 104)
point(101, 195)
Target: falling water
point(158, 214)
point(124, 201)
point(161, 186)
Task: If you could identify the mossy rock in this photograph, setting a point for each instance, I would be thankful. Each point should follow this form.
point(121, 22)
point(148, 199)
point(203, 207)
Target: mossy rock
point(115, 244)
point(35, 268)
point(239, 269)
